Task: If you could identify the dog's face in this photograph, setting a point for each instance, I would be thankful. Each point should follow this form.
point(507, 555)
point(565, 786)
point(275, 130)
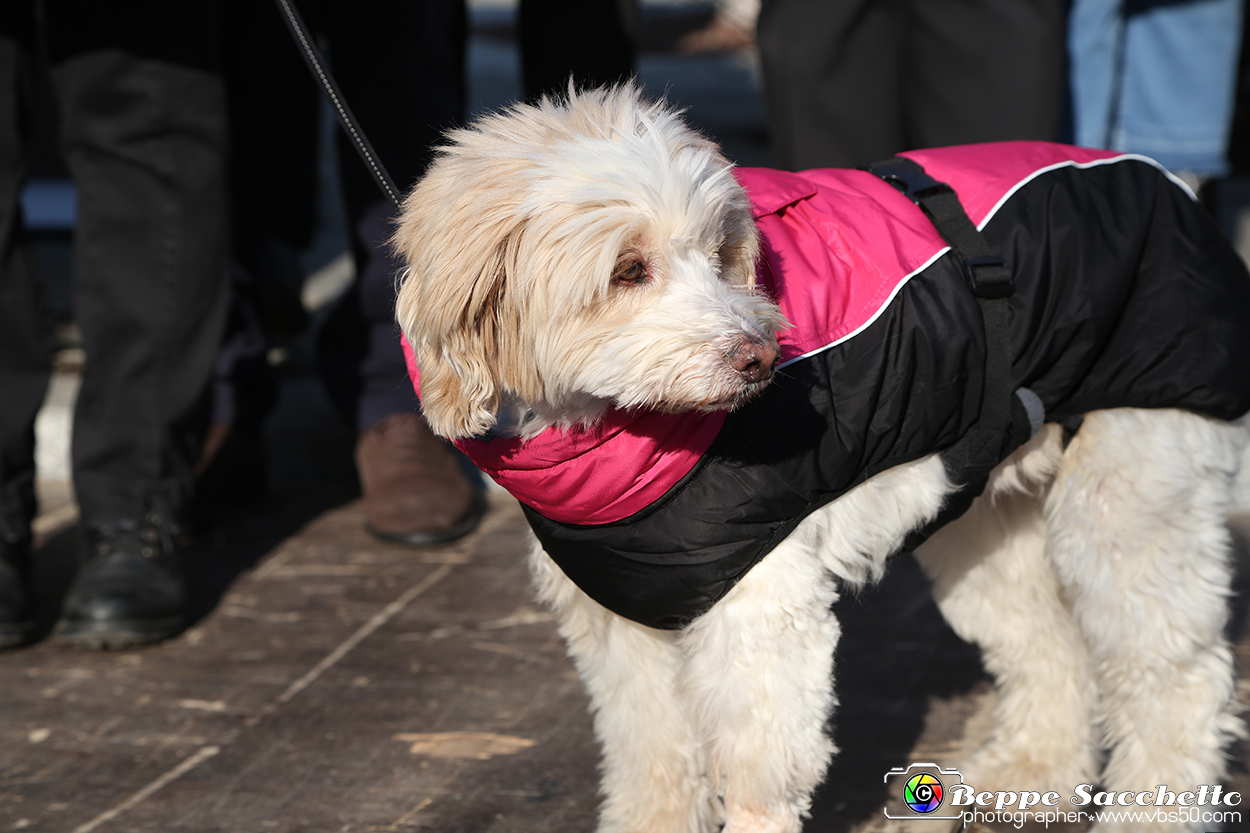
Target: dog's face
point(568, 256)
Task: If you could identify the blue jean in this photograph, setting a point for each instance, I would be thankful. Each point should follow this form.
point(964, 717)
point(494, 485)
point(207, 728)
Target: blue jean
point(1156, 78)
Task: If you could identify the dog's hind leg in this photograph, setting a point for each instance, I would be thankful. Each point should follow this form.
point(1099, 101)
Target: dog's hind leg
point(996, 588)
point(1137, 531)
point(757, 678)
point(652, 771)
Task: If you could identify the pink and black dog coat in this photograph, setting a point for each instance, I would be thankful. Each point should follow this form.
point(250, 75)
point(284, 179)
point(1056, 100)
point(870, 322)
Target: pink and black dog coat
point(1125, 295)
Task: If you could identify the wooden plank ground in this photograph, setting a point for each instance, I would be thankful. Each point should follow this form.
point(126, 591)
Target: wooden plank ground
point(341, 684)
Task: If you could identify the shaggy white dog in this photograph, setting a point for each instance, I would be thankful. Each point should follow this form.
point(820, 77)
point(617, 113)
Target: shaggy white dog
point(581, 257)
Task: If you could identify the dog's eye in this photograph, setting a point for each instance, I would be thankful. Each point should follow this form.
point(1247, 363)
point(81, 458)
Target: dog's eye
point(632, 273)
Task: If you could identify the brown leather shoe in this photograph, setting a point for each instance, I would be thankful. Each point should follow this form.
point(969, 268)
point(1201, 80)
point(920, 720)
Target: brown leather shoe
point(414, 489)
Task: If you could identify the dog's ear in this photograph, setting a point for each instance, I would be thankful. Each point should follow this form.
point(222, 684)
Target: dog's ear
point(740, 254)
point(455, 353)
point(454, 305)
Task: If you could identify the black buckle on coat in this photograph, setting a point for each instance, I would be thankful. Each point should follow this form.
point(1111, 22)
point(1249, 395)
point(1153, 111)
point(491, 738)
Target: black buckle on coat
point(989, 277)
point(908, 177)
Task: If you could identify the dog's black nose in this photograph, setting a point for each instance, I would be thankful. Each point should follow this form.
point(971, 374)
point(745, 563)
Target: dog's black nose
point(754, 359)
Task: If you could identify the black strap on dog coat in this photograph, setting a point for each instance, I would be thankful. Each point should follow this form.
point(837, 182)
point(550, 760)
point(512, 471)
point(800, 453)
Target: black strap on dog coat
point(989, 281)
point(970, 461)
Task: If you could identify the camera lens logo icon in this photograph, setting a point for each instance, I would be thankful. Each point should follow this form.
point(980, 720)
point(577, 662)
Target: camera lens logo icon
point(923, 793)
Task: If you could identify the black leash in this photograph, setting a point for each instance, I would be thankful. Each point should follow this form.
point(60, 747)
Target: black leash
point(316, 65)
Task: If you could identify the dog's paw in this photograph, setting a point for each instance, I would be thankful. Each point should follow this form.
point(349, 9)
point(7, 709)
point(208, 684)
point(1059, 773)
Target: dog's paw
point(741, 820)
point(679, 814)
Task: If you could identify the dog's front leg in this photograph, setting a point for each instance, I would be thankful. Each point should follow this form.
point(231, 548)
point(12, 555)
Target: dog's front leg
point(653, 773)
point(757, 678)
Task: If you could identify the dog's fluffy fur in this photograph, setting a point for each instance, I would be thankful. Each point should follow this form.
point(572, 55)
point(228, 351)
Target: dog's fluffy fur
point(595, 251)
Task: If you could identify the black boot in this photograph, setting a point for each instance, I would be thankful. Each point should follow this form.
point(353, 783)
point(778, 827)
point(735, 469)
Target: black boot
point(17, 625)
point(129, 590)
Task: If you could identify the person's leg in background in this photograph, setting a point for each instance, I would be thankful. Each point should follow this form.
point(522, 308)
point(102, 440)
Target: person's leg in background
point(401, 65)
point(850, 83)
point(25, 346)
point(1179, 84)
point(1096, 59)
point(832, 75)
point(273, 108)
point(143, 131)
point(591, 41)
point(985, 71)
